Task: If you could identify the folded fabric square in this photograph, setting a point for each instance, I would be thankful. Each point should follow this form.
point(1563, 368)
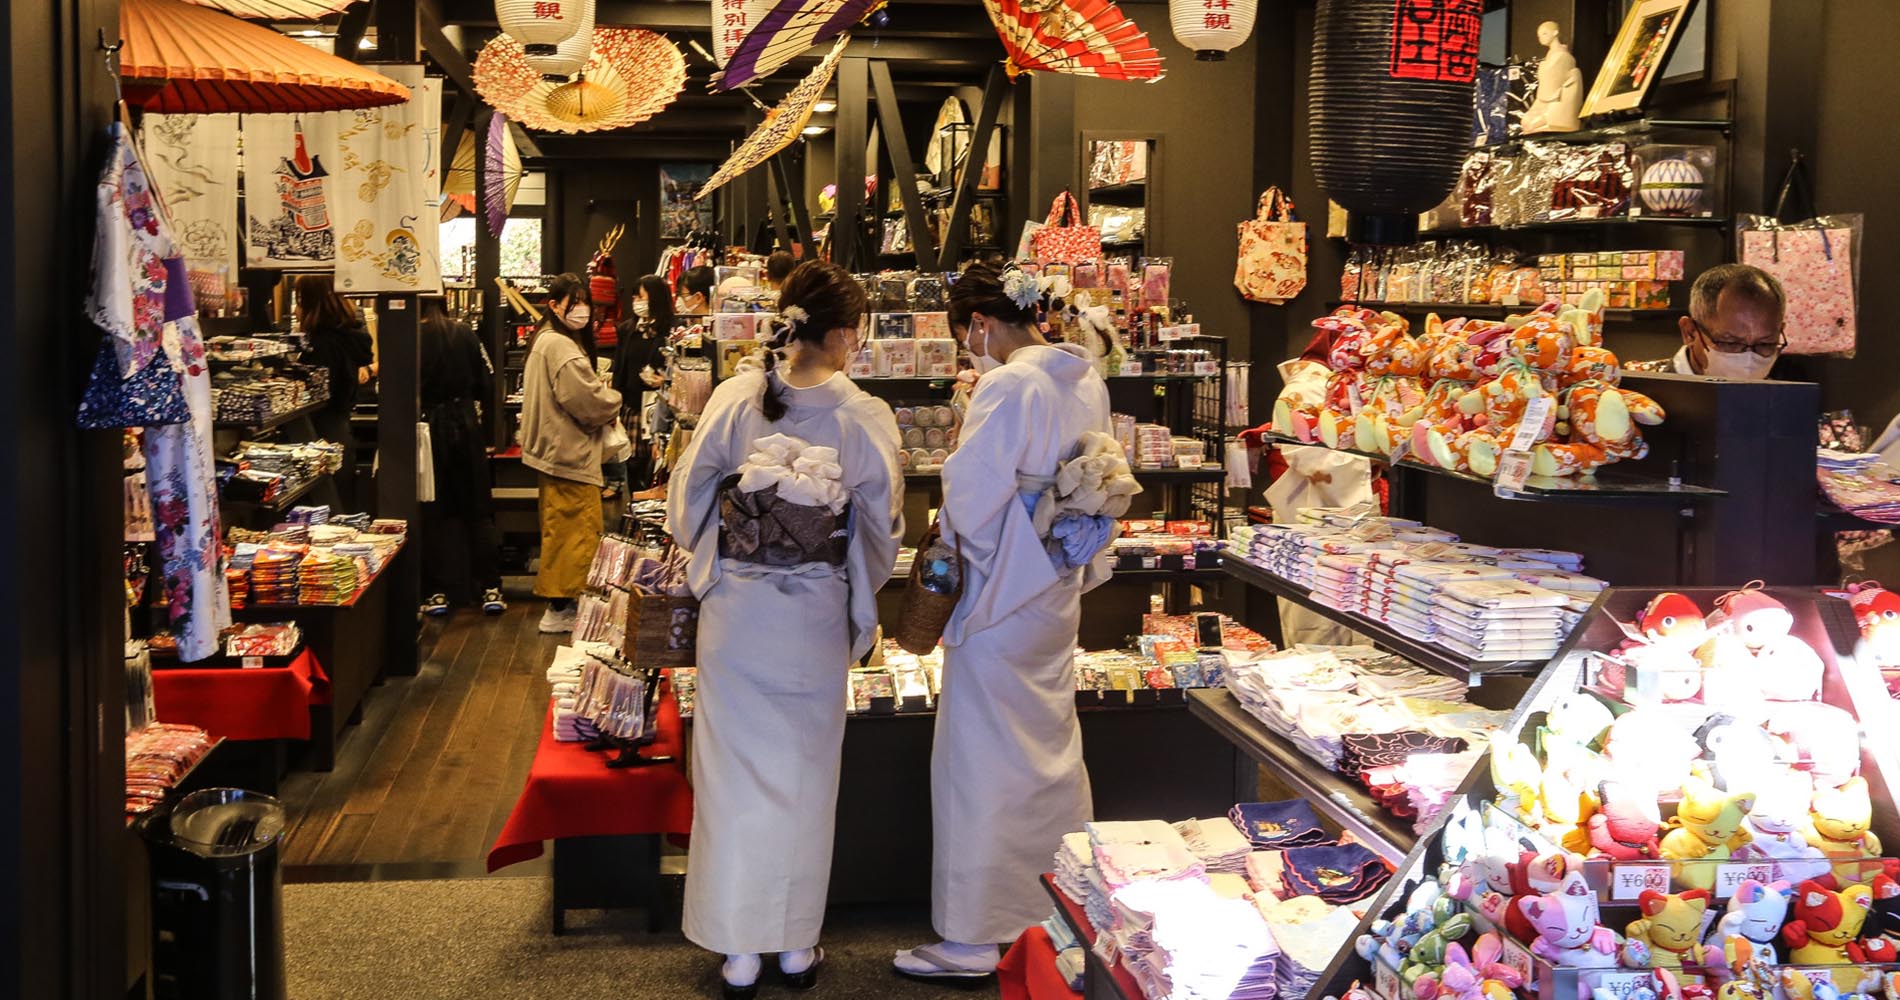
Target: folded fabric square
point(1341, 873)
point(1278, 825)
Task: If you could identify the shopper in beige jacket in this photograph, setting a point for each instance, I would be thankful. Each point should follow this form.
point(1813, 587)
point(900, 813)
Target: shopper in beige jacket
point(565, 413)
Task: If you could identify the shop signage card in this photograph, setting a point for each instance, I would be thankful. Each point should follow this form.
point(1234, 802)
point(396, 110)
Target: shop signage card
point(1628, 882)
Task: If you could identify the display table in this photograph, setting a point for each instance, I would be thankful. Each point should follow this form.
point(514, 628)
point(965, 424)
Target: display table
point(1028, 970)
point(606, 823)
point(1100, 980)
point(265, 703)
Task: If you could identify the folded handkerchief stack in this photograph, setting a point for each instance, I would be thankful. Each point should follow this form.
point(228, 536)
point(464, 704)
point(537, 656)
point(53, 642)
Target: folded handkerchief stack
point(1276, 826)
point(1073, 860)
point(1218, 843)
point(1126, 864)
point(1341, 873)
point(1507, 619)
point(1184, 942)
point(805, 474)
point(1309, 932)
point(564, 676)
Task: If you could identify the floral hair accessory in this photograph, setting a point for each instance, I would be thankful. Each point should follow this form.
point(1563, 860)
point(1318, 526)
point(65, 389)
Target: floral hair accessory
point(793, 316)
point(1021, 288)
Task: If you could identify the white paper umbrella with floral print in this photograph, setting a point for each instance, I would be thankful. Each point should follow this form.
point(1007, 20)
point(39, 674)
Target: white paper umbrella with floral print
point(632, 75)
point(782, 124)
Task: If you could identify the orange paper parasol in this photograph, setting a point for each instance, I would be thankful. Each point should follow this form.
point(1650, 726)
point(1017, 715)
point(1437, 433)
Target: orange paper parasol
point(632, 75)
point(1077, 37)
point(180, 58)
point(278, 10)
point(782, 124)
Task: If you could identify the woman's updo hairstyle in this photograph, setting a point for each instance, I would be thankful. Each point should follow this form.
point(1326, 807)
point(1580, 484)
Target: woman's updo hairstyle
point(981, 289)
point(817, 298)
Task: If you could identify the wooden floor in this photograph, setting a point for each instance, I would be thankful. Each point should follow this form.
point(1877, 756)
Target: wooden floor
point(428, 778)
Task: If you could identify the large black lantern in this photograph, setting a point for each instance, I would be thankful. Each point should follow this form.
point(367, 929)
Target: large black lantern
point(1390, 107)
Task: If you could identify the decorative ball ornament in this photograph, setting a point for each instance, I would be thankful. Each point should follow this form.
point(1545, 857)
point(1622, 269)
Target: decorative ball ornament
point(1673, 187)
point(541, 25)
point(1211, 27)
point(1390, 108)
point(569, 57)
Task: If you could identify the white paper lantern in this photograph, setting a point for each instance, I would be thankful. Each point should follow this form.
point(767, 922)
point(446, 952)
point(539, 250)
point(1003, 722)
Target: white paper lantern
point(540, 25)
point(1211, 27)
point(731, 19)
point(569, 57)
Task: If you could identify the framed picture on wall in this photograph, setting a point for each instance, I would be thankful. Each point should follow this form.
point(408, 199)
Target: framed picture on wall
point(1637, 57)
point(679, 213)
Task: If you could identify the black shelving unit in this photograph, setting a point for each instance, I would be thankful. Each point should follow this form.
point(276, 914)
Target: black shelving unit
point(1334, 795)
point(1432, 657)
point(274, 422)
point(282, 503)
point(1621, 131)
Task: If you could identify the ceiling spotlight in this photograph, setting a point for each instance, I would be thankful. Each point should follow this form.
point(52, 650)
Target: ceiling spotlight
point(366, 42)
point(310, 33)
point(815, 130)
point(825, 107)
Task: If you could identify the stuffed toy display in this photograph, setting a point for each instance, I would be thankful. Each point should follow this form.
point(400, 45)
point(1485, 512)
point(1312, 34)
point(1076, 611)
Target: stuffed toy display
point(1705, 831)
point(1672, 926)
point(1457, 395)
point(1755, 914)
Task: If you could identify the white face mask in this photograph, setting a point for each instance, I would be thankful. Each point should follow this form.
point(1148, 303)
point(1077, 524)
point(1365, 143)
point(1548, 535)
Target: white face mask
point(641, 308)
point(579, 316)
point(1746, 366)
point(981, 360)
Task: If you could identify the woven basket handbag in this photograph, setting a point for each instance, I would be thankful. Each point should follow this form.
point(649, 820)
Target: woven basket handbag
point(921, 620)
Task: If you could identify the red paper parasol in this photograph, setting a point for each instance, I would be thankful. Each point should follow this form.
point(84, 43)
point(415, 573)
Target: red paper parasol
point(782, 124)
point(632, 75)
point(1077, 37)
point(785, 32)
point(501, 165)
point(180, 58)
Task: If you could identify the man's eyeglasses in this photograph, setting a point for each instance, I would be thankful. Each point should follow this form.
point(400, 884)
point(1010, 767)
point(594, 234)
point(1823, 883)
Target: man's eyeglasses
point(1762, 350)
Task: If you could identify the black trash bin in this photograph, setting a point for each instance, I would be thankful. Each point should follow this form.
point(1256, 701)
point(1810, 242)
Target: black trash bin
point(217, 912)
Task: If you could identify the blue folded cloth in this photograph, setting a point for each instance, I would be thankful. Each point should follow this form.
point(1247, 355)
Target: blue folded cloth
point(1340, 873)
point(1074, 539)
point(1279, 825)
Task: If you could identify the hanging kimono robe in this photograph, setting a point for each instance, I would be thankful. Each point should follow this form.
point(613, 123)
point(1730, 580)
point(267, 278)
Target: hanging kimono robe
point(141, 295)
point(1006, 775)
point(775, 648)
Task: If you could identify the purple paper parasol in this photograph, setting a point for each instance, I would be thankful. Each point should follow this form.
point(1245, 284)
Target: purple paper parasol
point(501, 167)
point(786, 31)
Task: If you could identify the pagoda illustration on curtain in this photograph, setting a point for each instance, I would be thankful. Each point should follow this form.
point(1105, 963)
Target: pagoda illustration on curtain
point(300, 232)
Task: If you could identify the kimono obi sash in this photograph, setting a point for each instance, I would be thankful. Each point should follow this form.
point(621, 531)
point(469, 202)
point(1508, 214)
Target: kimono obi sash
point(759, 527)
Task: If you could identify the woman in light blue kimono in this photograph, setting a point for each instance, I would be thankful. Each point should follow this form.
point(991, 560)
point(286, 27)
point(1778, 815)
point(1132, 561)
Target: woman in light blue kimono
point(1030, 496)
point(782, 616)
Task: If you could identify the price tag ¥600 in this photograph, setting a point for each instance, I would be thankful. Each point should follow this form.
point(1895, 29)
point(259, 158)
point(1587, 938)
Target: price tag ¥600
point(1629, 881)
point(1385, 982)
point(1514, 467)
point(1619, 985)
point(1729, 877)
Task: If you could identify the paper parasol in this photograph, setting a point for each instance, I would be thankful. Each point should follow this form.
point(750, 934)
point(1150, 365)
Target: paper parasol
point(1077, 37)
point(632, 75)
point(180, 58)
point(782, 124)
point(785, 32)
point(278, 10)
point(501, 163)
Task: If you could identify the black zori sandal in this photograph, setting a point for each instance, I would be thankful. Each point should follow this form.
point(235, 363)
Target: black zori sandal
point(807, 979)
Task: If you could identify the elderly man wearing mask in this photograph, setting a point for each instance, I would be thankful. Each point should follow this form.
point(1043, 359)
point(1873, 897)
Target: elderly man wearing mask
point(1734, 326)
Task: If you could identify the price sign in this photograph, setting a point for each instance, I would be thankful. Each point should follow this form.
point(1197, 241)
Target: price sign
point(1352, 396)
point(1536, 413)
point(1629, 881)
point(1207, 368)
point(1729, 877)
point(1403, 448)
point(1519, 958)
point(1620, 984)
point(253, 663)
point(1385, 981)
point(1514, 467)
point(1131, 368)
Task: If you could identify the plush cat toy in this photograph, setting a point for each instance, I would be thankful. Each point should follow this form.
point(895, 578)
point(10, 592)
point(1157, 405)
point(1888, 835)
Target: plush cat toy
point(1625, 825)
point(1776, 828)
point(1877, 609)
point(1755, 915)
point(1786, 667)
point(1671, 925)
point(1826, 929)
point(1704, 831)
point(1837, 824)
point(1569, 931)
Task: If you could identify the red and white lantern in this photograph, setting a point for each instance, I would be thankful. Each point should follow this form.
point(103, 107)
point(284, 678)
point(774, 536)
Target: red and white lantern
point(540, 25)
point(1211, 27)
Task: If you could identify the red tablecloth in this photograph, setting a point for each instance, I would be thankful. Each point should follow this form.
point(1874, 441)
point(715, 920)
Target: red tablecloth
point(572, 793)
point(265, 703)
point(1028, 970)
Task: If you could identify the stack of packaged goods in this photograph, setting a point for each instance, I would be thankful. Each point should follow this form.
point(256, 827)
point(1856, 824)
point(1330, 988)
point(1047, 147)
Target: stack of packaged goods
point(1164, 545)
point(274, 573)
point(156, 758)
point(325, 577)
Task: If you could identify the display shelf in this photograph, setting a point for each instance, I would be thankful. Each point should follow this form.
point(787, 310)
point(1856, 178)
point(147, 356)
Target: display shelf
point(259, 427)
point(1115, 190)
point(254, 611)
point(1480, 310)
point(1608, 486)
point(1619, 130)
point(1437, 659)
point(1200, 574)
point(284, 502)
point(1585, 225)
point(1117, 982)
point(1204, 474)
point(1336, 796)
